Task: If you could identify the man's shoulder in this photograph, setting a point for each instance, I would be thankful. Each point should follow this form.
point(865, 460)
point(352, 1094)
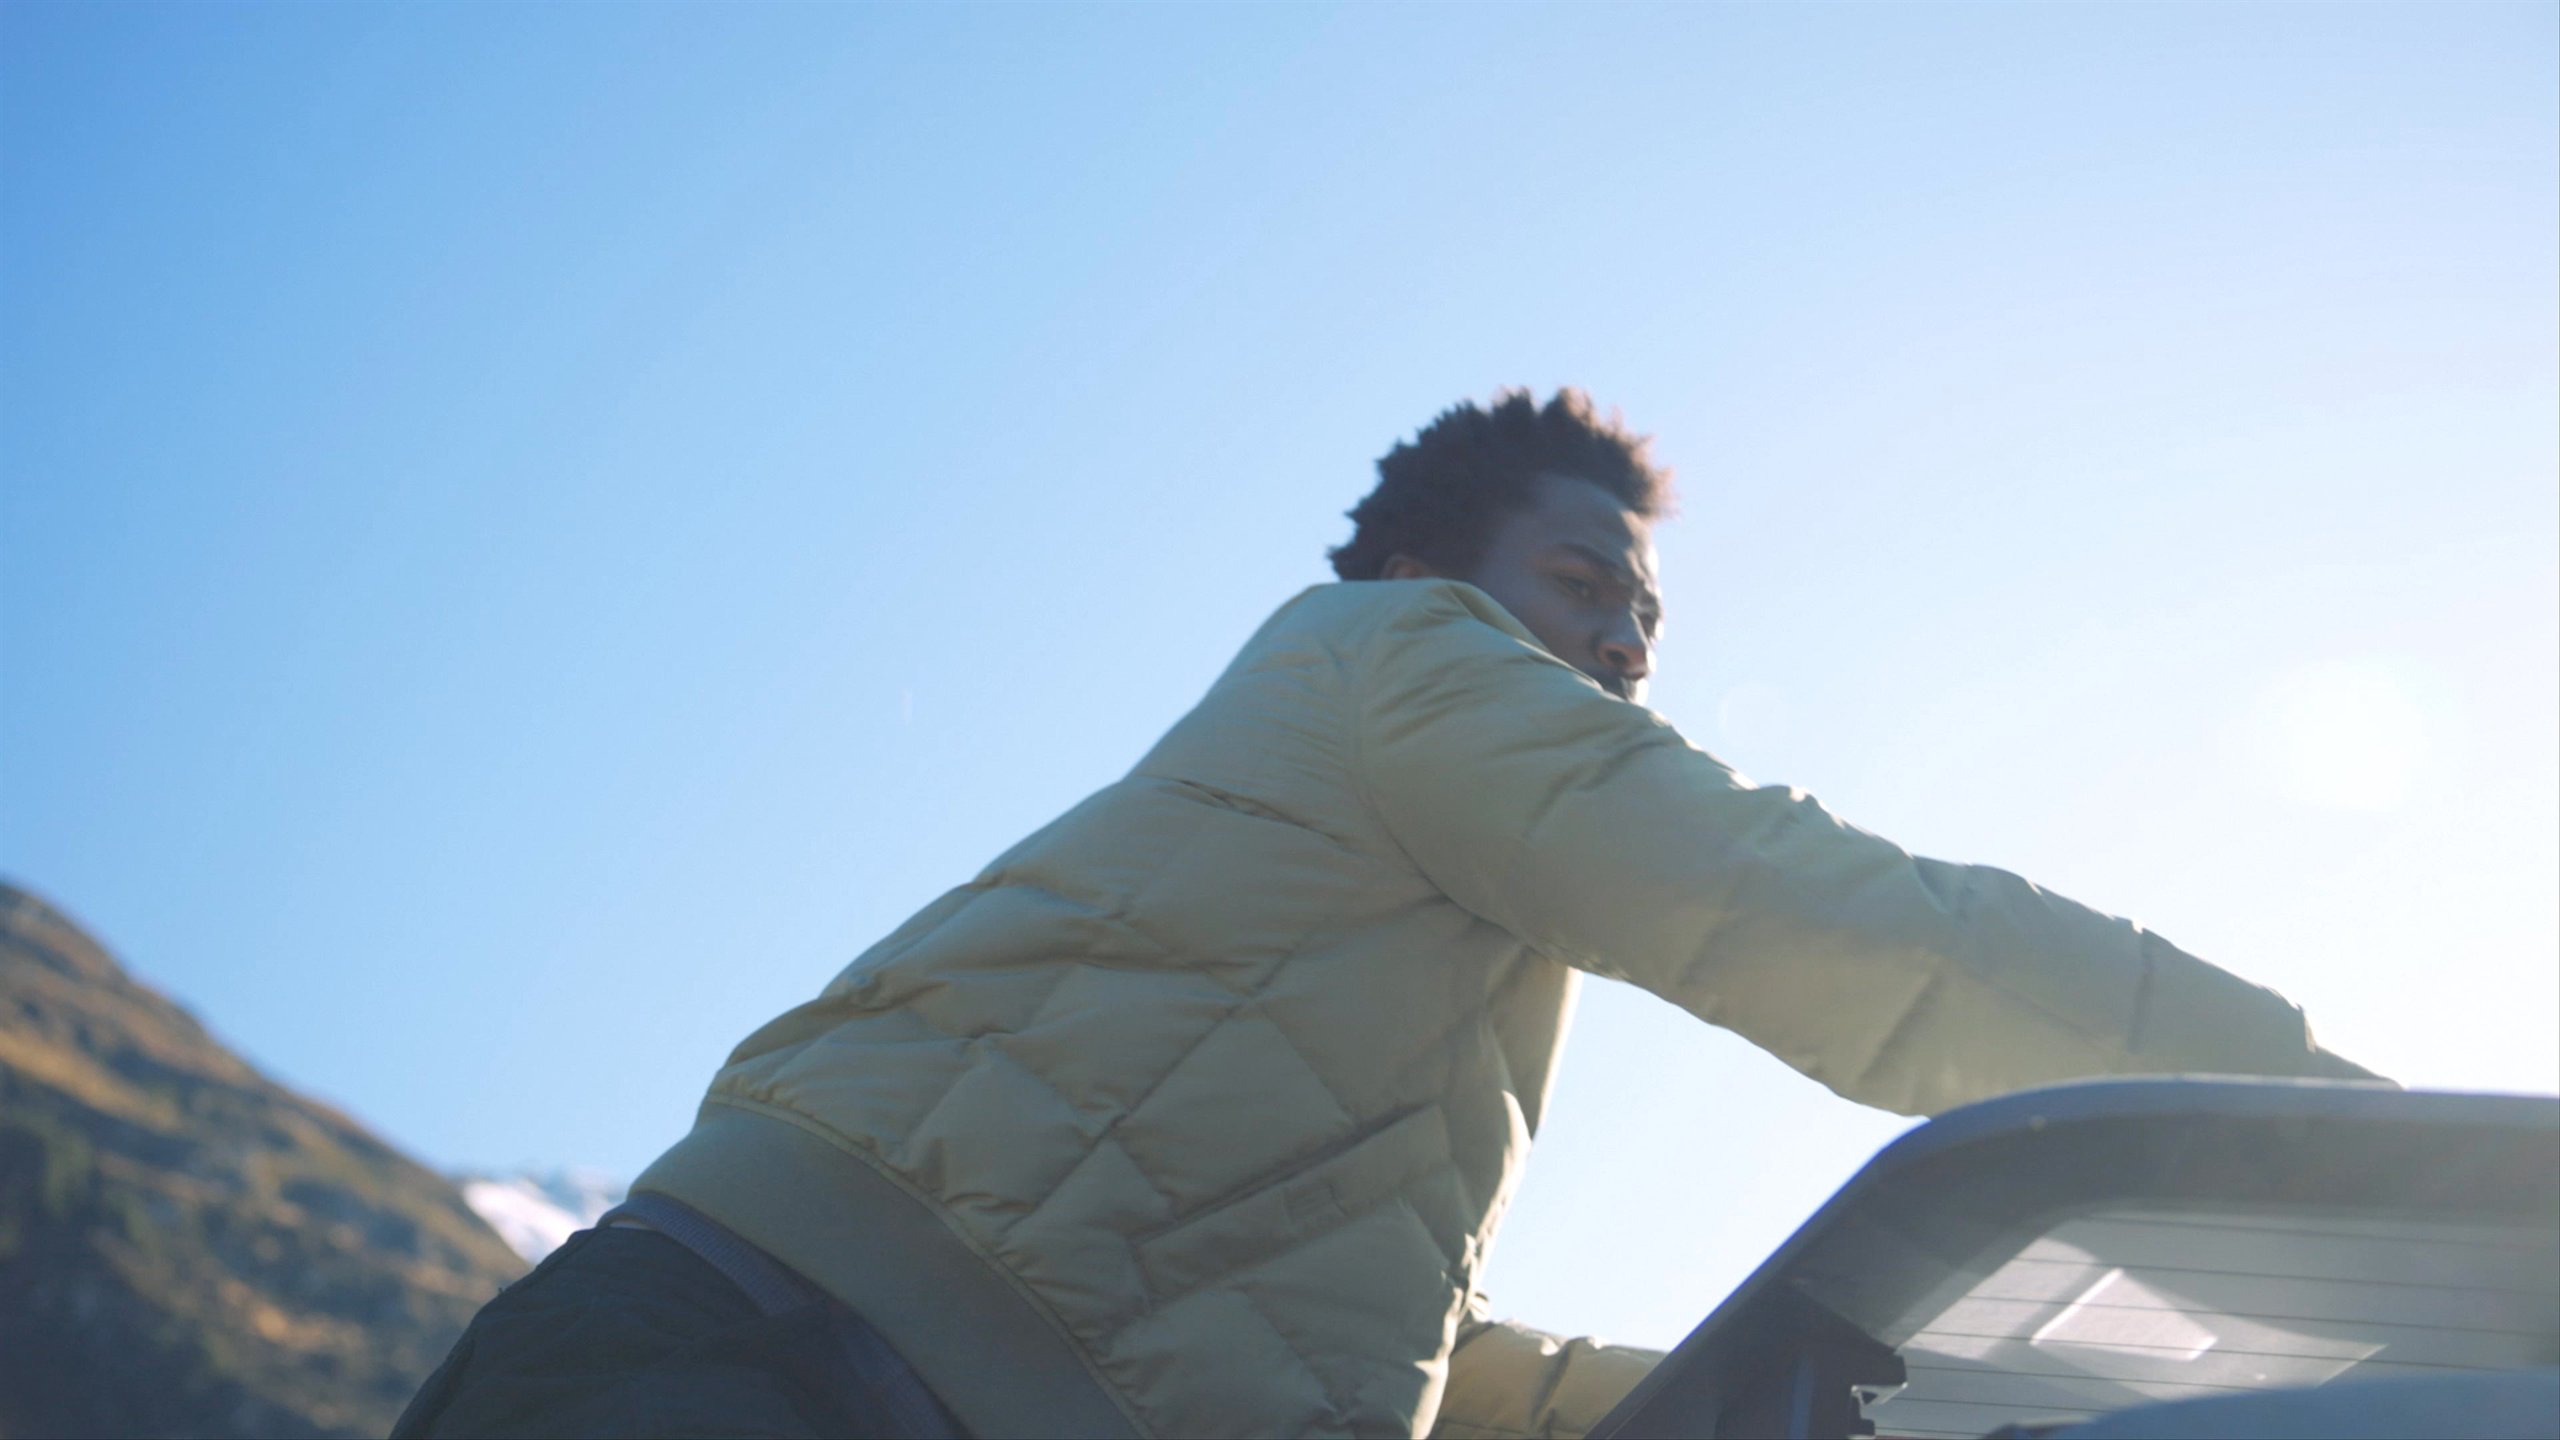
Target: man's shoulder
point(1346, 613)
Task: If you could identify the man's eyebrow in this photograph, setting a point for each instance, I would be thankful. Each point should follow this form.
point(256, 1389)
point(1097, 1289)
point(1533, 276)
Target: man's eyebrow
point(1618, 570)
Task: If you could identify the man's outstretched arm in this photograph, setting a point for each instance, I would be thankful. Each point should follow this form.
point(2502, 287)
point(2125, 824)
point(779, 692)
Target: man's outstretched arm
point(1588, 827)
point(1507, 1381)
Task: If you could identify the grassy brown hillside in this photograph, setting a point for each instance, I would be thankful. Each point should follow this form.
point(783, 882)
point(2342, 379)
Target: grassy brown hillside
point(188, 1248)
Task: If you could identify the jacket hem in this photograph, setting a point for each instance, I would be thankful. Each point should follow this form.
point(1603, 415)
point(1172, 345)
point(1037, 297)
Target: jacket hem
point(988, 1350)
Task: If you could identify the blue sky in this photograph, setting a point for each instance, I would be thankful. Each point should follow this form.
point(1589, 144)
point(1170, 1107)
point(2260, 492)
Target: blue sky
point(532, 534)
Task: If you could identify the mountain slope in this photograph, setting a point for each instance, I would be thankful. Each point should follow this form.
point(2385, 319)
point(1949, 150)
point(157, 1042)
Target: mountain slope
point(187, 1247)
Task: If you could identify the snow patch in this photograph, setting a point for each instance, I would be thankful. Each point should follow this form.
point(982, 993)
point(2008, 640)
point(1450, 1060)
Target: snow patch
point(535, 1210)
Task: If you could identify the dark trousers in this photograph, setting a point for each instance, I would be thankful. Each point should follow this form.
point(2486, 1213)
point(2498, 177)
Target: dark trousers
point(625, 1333)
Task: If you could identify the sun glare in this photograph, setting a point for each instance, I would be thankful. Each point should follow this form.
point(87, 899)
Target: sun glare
point(2338, 735)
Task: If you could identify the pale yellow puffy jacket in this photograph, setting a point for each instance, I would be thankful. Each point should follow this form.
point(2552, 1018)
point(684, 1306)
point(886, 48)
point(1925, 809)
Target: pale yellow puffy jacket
point(1194, 1113)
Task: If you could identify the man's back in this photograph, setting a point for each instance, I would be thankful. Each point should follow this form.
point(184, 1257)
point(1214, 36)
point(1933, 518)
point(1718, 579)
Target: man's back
point(1205, 1065)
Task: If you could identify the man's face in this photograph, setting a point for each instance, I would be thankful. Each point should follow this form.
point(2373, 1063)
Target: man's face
point(1578, 569)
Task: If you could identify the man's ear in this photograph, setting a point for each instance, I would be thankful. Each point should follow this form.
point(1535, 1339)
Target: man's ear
point(1401, 566)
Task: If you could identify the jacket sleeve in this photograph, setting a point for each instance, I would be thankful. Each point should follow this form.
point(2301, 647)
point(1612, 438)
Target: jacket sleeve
point(1589, 828)
point(1509, 1382)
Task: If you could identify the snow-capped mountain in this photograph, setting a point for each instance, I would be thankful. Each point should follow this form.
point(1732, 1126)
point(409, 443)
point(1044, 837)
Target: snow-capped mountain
point(534, 1210)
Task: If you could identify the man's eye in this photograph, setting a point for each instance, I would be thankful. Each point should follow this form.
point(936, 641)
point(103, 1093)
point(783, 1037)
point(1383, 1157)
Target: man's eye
point(1578, 588)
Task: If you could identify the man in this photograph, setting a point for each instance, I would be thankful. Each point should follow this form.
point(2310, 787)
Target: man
point(1195, 1112)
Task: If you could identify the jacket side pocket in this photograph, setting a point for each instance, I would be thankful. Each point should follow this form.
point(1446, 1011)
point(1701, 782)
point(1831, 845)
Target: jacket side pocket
point(1287, 1210)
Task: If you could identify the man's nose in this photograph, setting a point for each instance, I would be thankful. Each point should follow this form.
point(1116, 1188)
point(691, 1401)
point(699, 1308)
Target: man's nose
point(1624, 650)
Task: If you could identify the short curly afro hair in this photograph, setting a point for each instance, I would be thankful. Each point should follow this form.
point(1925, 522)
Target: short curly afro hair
point(1441, 495)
